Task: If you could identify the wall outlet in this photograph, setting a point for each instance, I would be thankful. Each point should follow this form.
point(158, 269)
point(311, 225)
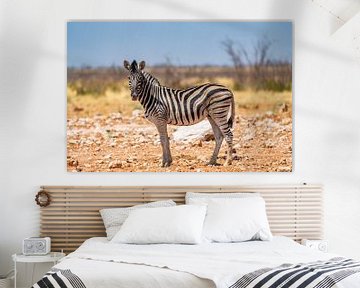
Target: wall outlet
point(320, 245)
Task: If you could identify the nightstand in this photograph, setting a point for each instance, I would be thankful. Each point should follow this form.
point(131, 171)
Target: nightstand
point(53, 257)
point(320, 245)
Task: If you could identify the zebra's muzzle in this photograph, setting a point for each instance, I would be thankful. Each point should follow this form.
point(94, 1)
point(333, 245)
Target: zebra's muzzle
point(134, 97)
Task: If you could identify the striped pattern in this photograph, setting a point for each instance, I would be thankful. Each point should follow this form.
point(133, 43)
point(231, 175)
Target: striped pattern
point(73, 215)
point(59, 278)
point(165, 106)
point(320, 274)
point(185, 107)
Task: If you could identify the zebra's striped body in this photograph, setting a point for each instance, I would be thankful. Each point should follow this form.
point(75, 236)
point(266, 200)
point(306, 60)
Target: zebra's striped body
point(165, 105)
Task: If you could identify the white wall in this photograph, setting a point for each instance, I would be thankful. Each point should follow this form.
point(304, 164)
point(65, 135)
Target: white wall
point(33, 109)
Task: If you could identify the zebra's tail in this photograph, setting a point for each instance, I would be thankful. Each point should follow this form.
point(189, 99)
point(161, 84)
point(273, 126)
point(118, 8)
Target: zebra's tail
point(232, 115)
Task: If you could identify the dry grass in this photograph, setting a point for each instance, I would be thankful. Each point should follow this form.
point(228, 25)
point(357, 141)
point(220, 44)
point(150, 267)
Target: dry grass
point(250, 101)
point(111, 101)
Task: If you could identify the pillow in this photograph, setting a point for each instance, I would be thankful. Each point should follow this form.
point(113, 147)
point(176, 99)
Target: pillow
point(173, 225)
point(236, 220)
point(113, 218)
point(203, 198)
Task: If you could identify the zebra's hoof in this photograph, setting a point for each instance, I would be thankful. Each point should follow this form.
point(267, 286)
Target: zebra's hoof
point(213, 164)
point(227, 163)
point(166, 164)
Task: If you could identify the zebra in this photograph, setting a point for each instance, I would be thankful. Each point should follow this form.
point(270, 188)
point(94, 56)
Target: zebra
point(186, 107)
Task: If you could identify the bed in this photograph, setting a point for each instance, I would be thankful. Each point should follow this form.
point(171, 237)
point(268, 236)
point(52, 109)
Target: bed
point(99, 263)
point(294, 211)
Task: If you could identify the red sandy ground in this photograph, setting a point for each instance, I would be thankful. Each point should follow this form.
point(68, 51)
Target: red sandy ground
point(262, 143)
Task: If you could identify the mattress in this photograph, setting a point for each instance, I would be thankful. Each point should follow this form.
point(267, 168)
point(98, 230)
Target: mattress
point(99, 263)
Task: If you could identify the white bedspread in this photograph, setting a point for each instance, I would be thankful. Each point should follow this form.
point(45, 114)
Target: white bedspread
point(101, 264)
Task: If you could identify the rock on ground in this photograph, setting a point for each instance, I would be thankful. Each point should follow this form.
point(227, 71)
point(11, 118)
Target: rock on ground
point(192, 133)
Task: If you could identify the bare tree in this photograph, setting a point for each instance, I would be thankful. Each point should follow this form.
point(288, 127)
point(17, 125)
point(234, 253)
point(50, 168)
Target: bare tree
point(235, 55)
point(238, 58)
point(261, 62)
point(254, 67)
point(261, 50)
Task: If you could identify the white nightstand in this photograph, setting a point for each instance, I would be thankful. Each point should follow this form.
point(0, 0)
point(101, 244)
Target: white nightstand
point(53, 257)
point(320, 245)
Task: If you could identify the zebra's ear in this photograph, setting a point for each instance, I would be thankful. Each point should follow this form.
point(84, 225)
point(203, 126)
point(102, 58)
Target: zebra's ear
point(142, 65)
point(126, 65)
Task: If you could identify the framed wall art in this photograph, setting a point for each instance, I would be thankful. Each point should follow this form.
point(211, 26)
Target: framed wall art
point(179, 96)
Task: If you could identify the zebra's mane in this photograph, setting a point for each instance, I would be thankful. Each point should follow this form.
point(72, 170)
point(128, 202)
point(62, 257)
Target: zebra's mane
point(151, 78)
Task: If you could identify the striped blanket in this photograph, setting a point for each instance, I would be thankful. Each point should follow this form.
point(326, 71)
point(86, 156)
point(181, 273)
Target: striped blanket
point(320, 274)
point(59, 278)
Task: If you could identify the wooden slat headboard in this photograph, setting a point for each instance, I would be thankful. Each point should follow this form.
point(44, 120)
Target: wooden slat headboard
point(73, 215)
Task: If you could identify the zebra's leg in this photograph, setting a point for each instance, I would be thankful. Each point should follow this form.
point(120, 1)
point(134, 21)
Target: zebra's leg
point(229, 141)
point(165, 145)
point(218, 140)
point(228, 135)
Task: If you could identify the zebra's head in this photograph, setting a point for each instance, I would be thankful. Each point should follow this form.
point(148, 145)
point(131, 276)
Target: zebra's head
point(136, 78)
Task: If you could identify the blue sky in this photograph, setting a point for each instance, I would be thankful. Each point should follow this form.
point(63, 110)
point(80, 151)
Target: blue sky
point(185, 43)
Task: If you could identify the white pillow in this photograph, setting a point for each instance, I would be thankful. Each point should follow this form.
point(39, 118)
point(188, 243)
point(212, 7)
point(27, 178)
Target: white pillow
point(236, 220)
point(180, 224)
point(113, 218)
point(204, 198)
